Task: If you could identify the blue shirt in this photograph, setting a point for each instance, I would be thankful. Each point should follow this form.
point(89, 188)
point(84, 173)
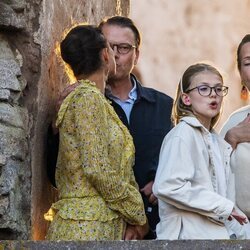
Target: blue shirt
point(126, 105)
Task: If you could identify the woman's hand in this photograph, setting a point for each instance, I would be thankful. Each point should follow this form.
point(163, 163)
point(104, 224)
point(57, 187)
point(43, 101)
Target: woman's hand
point(64, 94)
point(136, 232)
point(240, 218)
point(130, 233)
point(240, 133)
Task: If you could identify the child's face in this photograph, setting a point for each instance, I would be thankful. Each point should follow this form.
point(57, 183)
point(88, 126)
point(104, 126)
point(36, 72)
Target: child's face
point(204, 107)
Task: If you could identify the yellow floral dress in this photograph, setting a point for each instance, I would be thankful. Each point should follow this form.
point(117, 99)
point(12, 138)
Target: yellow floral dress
point(98, 194)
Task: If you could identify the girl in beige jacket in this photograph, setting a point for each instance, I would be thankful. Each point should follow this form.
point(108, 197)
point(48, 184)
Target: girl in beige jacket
point(193, 176)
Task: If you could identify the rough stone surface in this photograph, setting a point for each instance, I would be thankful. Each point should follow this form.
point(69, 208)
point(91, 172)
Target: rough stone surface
point(14, 163)
point(127, 245)
point(9, 16)
point(31, 78)
point(56, 17)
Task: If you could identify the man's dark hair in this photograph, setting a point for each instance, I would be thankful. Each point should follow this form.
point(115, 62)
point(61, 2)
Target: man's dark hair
point(124, 22)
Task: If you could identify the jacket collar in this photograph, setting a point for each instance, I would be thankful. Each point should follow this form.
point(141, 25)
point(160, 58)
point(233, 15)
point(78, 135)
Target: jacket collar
point(194, 122)
point(142, 92)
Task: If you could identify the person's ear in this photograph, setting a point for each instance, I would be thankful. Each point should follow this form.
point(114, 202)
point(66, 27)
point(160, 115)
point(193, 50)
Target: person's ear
point(105, 55)
point(137, 53)
point(186, 99)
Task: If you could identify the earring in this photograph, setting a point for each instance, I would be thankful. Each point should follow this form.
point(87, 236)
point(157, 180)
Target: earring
point(244, 93)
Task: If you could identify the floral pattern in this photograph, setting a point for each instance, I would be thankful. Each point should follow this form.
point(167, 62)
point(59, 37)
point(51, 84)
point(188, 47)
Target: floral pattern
point(98, 194)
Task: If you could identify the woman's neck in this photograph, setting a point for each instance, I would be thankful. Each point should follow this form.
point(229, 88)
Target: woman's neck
point(98, 78)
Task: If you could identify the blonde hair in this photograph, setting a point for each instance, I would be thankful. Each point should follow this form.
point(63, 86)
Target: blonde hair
point(179, 108)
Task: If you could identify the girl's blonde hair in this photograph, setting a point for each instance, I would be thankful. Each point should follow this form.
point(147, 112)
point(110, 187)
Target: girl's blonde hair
point(180, 109)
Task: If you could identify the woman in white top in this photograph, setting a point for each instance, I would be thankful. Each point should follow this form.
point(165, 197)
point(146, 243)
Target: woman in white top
point(238, 135)
point(194, 173)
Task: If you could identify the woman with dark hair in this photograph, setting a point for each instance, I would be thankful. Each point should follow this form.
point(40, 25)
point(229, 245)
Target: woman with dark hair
point(98, 195)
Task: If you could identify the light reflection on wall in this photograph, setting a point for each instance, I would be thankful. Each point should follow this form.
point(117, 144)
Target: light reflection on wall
point(67, 69)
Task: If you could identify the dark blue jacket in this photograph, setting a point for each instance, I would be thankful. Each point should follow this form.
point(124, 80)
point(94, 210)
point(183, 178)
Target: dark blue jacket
point(150, 121)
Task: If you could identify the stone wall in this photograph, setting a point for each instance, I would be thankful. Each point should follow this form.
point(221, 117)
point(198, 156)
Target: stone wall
point(31, 78)
point(128, 245)
point(15, 168)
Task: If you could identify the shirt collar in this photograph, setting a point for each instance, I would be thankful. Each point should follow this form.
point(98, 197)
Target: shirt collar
point(194, 122)
point(133, 92)
point(138, 90)
point(131, 95)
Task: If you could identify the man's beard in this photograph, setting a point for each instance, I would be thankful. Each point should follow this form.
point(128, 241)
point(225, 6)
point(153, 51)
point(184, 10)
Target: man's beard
point(111, 78)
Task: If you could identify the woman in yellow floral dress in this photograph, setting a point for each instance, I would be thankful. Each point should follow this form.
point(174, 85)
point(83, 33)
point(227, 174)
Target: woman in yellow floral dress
point(98, 195)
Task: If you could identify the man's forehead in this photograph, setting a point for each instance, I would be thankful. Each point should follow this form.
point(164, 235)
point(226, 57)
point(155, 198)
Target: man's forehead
point(118, 34)
point(116, 28)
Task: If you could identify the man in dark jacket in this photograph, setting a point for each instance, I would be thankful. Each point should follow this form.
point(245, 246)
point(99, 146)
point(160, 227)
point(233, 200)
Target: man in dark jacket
point(145, 111)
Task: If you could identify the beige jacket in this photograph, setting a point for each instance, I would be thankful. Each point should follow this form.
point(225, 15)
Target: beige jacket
point(185, 184)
